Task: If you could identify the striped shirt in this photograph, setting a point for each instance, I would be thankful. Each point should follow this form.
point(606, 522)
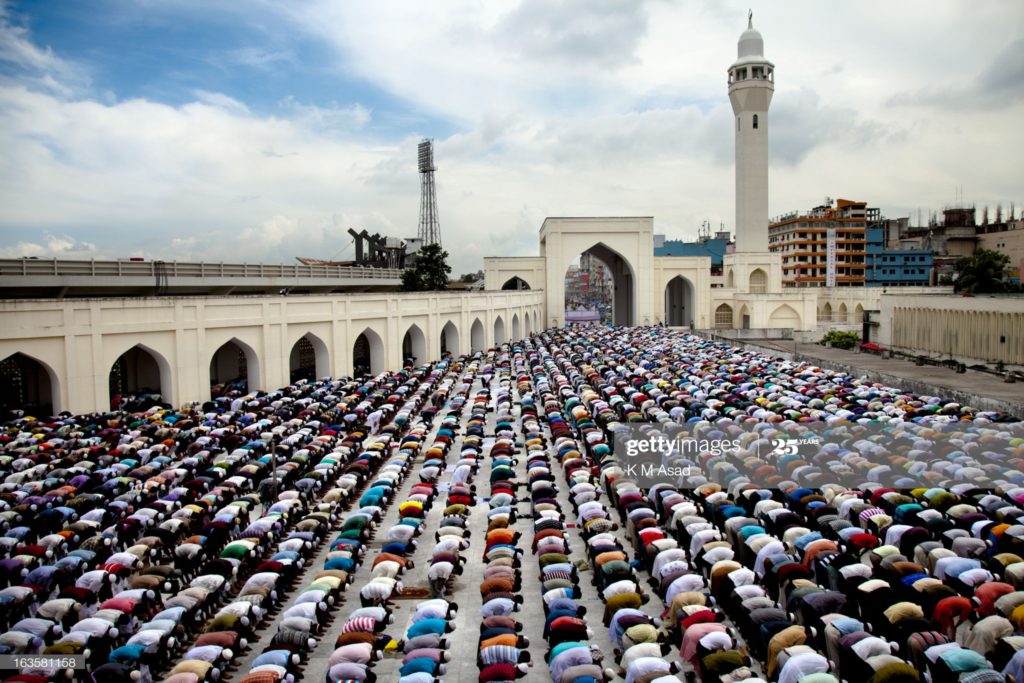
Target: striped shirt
point(499, 654)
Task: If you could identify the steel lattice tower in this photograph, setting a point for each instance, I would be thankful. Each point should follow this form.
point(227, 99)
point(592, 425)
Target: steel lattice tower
point(430, 227)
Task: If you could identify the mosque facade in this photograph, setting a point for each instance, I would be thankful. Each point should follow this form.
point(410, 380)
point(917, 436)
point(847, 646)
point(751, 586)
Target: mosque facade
point(681, 291)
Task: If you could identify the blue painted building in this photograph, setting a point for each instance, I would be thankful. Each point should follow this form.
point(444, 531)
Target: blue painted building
point(715, 248)
point(894, 267)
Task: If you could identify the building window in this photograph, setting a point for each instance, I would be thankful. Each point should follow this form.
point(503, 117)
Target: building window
point(723, 317)
point(758, 282)
point(755, 121)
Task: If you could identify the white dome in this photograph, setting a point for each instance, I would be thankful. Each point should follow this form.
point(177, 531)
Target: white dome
point(751, 43)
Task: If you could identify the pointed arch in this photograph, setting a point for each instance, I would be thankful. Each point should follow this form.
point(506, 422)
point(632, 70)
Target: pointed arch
point(309, 358)
point(843, 315)
point(723, 317)
point(28, 384)
point(758, 282)
point(516, 282)
point(476, 336)
point(450, 339)
point(858, 314)
point(825, 315)
point(368, 353)
point(745, 317)
point(234, 366)
point(785, 317)
point(730, 281)
point(527, 325)
point(516, 336)
point(679, 297)
point(140, 378)
point(621, 294)
point(499, 331)
point(414, 345)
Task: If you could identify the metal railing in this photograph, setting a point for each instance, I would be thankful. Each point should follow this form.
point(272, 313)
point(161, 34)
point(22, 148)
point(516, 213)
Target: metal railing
point(170, 269)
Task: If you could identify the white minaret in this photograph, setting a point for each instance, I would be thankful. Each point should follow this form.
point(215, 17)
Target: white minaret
point(751, 84)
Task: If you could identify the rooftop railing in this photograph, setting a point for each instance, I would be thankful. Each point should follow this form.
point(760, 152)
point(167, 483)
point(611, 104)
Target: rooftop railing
point(169, 269)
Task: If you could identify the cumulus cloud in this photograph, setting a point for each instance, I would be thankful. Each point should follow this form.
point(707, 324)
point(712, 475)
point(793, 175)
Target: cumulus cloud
point(997, 85)
point(576, 33)
point(563, 108)
point(63, 246)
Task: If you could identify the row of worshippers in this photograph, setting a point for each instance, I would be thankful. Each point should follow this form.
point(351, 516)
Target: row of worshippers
point(425, 647)
point(161, 503)
point(502, 653)
point(640, 652)
point(362, 642)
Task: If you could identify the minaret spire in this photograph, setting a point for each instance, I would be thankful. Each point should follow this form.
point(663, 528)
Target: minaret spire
point(751, 84)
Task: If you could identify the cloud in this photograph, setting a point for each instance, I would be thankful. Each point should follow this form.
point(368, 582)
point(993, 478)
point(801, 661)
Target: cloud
point(575, 33)
point(63, 246)
point(533, 115)
point(260, 58)
point(997, 85)
point(221, 101)
point(330, 118)
point(800, 123)
point(34, 64)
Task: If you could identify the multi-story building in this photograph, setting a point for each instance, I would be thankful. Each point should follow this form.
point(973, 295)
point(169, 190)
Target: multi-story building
point(849, 244)
point(806, 240)
point(888, 267)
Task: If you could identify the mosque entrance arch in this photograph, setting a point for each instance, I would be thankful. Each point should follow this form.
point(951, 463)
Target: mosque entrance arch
point(622, 246)
point(367, 353)
point(599, 288)
point(499, 331)
point(679, 310)
point(517, 283)
point(414, 346)
point(450, 339)
point(235, 366)
point(139, 379)
point(308, 358)
point(476, 336)
point(28, 385)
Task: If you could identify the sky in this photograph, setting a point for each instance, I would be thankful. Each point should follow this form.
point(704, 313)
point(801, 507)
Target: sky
point(258, 131)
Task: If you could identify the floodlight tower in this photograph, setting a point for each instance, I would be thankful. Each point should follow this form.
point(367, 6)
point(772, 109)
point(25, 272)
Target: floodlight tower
point(430, 228)
point(751, 85)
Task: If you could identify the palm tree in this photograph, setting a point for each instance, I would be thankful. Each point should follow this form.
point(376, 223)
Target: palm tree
point(984, 272)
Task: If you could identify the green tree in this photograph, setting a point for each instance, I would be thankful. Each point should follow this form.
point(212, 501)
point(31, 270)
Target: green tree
point(428, 272)
point(984, 272)
point(411, 280)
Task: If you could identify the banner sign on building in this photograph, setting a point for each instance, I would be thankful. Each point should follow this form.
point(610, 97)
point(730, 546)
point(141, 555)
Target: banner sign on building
point(830, 257)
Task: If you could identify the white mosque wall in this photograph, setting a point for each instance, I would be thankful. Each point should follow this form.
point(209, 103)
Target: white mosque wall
point(498, 270)
point(77, 341)
point(969, 329)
